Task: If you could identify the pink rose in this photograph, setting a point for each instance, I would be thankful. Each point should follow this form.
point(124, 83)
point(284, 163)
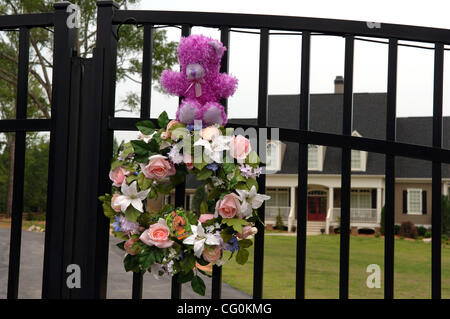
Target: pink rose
point(247, 231)
point(209, 132)
point(157, 235)
point(171, 123)
point(129, 246)
point(118, 175)
point(240, 147)
point(158, 167)
point(211, 253)
point(205, 217)
point(188, 160)
point(228, 206)
point(113, 204)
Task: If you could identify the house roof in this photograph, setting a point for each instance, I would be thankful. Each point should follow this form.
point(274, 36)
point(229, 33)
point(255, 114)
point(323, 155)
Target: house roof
point(369, 119)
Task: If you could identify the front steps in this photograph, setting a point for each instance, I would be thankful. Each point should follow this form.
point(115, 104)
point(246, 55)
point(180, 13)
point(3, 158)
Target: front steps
point(313, 228)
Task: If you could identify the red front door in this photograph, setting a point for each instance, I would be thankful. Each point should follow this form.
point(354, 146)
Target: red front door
point(317, 208)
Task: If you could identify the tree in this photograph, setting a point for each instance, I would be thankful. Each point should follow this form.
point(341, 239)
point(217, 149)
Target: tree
point(41, 45)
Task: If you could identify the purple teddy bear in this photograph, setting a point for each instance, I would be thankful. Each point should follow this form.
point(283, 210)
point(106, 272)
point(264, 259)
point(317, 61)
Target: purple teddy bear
point(200, 82)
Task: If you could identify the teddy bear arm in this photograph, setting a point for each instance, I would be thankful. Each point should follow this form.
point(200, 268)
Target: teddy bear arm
point(173, 82)
point(226, 85)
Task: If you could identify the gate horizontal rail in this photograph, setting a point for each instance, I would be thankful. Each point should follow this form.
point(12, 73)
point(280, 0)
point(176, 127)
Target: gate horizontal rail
point(288, 23)
point(415, 151)
point(104, 123)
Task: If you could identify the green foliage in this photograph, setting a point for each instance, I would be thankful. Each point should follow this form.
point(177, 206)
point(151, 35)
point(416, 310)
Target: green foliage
point(382, 220)
point(236, 223)
point(279, 221)
point(421, 231)
point(445, 215)
point(198, 285)
point(408, 230)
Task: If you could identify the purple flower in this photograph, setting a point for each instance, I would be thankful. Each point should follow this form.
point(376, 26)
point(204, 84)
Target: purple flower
point(124, 225)
point(232, 245)
point(212, 166)
point(250, 172)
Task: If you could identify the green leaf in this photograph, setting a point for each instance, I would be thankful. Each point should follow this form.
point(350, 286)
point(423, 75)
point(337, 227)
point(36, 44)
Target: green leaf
point(147, 259)
point(188, 262)
point(121, 245)
point(146, 127)
point(131, 263)
point(140, 147)
point(131, 179)
point(245, 243)
point(252, 159)
point(227, 234)
point(251, 182)
point(228, 167)
point(116, 164)
point(192, 218)
point(205, 173)
point(185, 277)
point(198, 285)
point(203, 208)
point(163, 120)
point(242, 256)
point(236, 223)
point(107, 210)
point(132, 213)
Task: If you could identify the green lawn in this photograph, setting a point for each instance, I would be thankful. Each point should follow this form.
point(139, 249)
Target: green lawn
point(412, 268)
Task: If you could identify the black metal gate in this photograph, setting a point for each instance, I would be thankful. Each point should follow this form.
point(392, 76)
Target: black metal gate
point(83, 124)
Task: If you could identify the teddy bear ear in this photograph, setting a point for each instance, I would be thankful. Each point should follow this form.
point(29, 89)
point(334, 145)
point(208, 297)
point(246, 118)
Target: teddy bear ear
point(217, 46)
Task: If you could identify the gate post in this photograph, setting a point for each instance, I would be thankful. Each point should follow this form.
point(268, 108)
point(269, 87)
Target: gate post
point(64, 46)
point(105, 83)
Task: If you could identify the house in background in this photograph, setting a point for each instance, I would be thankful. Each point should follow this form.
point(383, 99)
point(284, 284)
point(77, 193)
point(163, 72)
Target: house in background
point(413, 177)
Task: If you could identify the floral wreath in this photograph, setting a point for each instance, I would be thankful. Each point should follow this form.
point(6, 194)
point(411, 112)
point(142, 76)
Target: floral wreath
point(163, 239)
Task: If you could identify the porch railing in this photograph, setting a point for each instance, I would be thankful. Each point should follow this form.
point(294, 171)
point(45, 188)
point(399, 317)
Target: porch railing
point(357, 215)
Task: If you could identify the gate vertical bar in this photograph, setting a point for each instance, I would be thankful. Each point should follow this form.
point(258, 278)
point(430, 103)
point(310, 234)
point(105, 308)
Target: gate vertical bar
point(258, 268)
point(390, 171)
point(19, 166)
point(436, 248)
point(180, 192)
point(216, 289)
point(303, 167)
point(347, 119)
point(146, 92)
point(64, 45)
point(147, 66)
point(105, 64)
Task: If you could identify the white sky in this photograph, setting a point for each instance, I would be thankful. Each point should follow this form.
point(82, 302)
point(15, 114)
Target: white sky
point(415, 66)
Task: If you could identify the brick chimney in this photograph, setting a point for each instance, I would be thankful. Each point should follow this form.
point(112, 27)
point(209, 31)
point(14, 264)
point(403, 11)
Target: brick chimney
point(339, 84)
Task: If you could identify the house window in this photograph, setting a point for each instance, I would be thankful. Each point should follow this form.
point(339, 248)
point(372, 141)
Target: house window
point(361, 198)
point(356, 160)
point(274, 155)
point(313, 157)
point(279, 202)
point(414, 206)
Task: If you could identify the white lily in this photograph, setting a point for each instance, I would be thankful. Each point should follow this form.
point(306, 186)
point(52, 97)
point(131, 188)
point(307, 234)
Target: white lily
point(250, 200)
point(214, 150)
point(199, 238)
point(130, 196)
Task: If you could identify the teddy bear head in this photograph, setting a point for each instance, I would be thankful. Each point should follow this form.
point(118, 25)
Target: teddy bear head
point(200, 56)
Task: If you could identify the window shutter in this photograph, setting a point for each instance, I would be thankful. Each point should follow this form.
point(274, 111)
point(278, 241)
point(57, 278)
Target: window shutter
point(424, 202)
point(405, 202)
point(374, 198)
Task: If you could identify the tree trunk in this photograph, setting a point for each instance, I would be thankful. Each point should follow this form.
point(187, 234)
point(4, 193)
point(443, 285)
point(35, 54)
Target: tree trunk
point(11, 148)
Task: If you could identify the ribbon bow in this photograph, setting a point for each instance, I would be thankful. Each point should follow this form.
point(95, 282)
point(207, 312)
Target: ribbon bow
point(197, 83)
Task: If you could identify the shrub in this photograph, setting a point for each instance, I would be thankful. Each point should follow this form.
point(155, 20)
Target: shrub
point(427, 234)
point(408, 230)
point(444, 237)
point(279, 221)
point(396, 229)
point(421, 231)
point(382, 220)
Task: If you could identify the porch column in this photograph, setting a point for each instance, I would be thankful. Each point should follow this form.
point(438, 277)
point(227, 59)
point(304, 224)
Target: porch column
point(291, 219)
point(379, 204)
point(445, 189)
point(330, 209)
